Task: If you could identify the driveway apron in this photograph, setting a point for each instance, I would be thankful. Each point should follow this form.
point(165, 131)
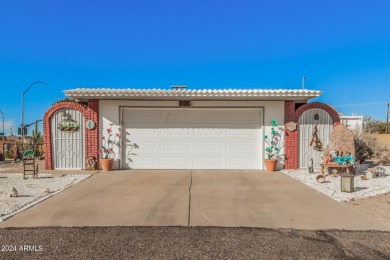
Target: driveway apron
point(225, 198)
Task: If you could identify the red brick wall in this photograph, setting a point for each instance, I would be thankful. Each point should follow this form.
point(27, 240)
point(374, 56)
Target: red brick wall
point(291, 138)
point(91, 112)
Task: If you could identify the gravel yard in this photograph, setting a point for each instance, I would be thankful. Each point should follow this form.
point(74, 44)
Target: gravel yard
point(31, 191)
point(331, 186)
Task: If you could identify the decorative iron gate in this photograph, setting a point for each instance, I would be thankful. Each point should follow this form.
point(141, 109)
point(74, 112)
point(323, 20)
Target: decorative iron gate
point(308, 156)
point(67, 128)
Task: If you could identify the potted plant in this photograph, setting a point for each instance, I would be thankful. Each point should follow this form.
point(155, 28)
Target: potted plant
point(107, 150)
point(273, 147)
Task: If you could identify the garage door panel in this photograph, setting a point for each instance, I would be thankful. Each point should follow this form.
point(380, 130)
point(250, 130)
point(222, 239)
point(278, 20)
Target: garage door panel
point(240, 161)
point(142, 131)
point(174, 146)
point(214, 139)
point(188, 116)
point(144, 160)
point(213, 162)
point(174, 161)
point(146, 146)
point(208, 146)
point(207, 131)
point(248, 132)
point(175, 131)
point(242, 146)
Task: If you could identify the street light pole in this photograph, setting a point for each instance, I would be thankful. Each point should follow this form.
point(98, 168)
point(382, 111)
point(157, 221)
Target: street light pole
point(1, 111)
point(22, 125)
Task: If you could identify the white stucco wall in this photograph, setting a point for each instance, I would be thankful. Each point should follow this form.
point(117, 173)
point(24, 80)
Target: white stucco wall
point(353, 123)
point(109, 116)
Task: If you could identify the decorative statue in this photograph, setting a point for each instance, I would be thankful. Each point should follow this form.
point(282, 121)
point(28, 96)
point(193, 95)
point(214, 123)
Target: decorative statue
point(13, 192)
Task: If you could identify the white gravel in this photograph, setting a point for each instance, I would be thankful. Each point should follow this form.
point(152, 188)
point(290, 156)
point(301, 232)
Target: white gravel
point(31, 191)
point(331, 186)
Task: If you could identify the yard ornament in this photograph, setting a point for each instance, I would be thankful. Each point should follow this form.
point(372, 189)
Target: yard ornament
point(13, 192)
point(315, 139)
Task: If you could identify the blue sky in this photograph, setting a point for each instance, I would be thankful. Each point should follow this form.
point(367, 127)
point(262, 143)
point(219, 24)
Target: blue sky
point(342, 47)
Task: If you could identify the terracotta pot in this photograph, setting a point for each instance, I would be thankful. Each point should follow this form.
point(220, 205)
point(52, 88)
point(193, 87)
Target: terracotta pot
point(270, 165)
point(106, 164)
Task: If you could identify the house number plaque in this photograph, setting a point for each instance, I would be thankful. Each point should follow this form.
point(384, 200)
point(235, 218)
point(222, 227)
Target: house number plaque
point(90, 124)
point(185, 103)
point(291, 126)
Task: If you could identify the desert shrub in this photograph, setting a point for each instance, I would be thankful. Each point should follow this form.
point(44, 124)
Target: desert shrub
point(364, 146)
point(368, 147)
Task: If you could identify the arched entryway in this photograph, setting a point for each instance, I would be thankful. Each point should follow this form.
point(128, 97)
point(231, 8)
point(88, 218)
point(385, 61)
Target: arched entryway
point(306, 126)
point(68, 142)
point(67, 126)
point(297, 138)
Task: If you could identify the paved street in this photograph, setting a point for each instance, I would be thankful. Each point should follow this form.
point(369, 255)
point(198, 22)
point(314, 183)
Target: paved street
point(192, 243)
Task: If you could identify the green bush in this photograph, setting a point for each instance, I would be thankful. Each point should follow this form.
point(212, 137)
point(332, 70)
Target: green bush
point(9, 154)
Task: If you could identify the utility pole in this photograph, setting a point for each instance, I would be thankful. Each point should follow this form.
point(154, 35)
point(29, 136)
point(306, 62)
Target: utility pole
point(387, 117)
point(303, 82)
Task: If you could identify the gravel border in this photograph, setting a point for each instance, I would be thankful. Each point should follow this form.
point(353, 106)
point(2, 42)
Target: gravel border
point(30, 191)
point(331, 186)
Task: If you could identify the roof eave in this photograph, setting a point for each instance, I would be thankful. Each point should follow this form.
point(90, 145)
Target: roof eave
point(269, 95)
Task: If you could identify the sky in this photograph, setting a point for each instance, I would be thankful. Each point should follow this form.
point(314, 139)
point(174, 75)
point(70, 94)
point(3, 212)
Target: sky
point(341, 47)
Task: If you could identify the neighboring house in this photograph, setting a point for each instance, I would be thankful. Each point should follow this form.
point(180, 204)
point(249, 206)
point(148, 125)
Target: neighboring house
point(185, 129)
point(353, 123)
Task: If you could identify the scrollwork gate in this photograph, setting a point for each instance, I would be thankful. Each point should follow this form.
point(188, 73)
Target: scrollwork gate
point(308, 156)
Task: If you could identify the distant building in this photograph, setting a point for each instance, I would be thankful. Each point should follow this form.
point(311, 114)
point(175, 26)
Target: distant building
point(353, 123)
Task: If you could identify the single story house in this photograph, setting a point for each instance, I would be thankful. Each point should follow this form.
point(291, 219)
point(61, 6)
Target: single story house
point(353, 123)
point(184, 129)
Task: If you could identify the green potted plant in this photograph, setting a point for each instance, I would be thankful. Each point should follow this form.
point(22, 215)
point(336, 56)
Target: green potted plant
point(272, 147)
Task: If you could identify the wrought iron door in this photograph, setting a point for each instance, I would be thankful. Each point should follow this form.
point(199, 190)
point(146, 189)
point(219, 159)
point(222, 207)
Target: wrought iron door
point(67, 128)
point(307, 154)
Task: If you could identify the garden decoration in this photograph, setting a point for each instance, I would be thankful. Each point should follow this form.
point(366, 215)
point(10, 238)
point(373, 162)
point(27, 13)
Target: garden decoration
point(13, 192)
point(315, 139)
point(90, 163)
point(107, 150)
point(335, 164)
point(380, 171)
point(273, 147)
point(347, 182)
point(320, 178)
point(68, 124)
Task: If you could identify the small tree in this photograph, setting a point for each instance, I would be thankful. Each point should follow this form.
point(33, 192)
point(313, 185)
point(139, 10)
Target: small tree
point(373, 126)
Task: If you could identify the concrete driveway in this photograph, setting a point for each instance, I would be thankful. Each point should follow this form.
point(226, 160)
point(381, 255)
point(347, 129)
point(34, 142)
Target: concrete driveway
point(193, 198)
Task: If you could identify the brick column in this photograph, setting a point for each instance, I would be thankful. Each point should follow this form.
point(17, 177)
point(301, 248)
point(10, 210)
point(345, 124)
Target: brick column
point(291, 138)
point(92, 136)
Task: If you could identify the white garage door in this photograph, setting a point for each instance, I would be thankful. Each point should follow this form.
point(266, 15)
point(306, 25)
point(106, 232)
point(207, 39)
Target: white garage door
point(191, 138)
